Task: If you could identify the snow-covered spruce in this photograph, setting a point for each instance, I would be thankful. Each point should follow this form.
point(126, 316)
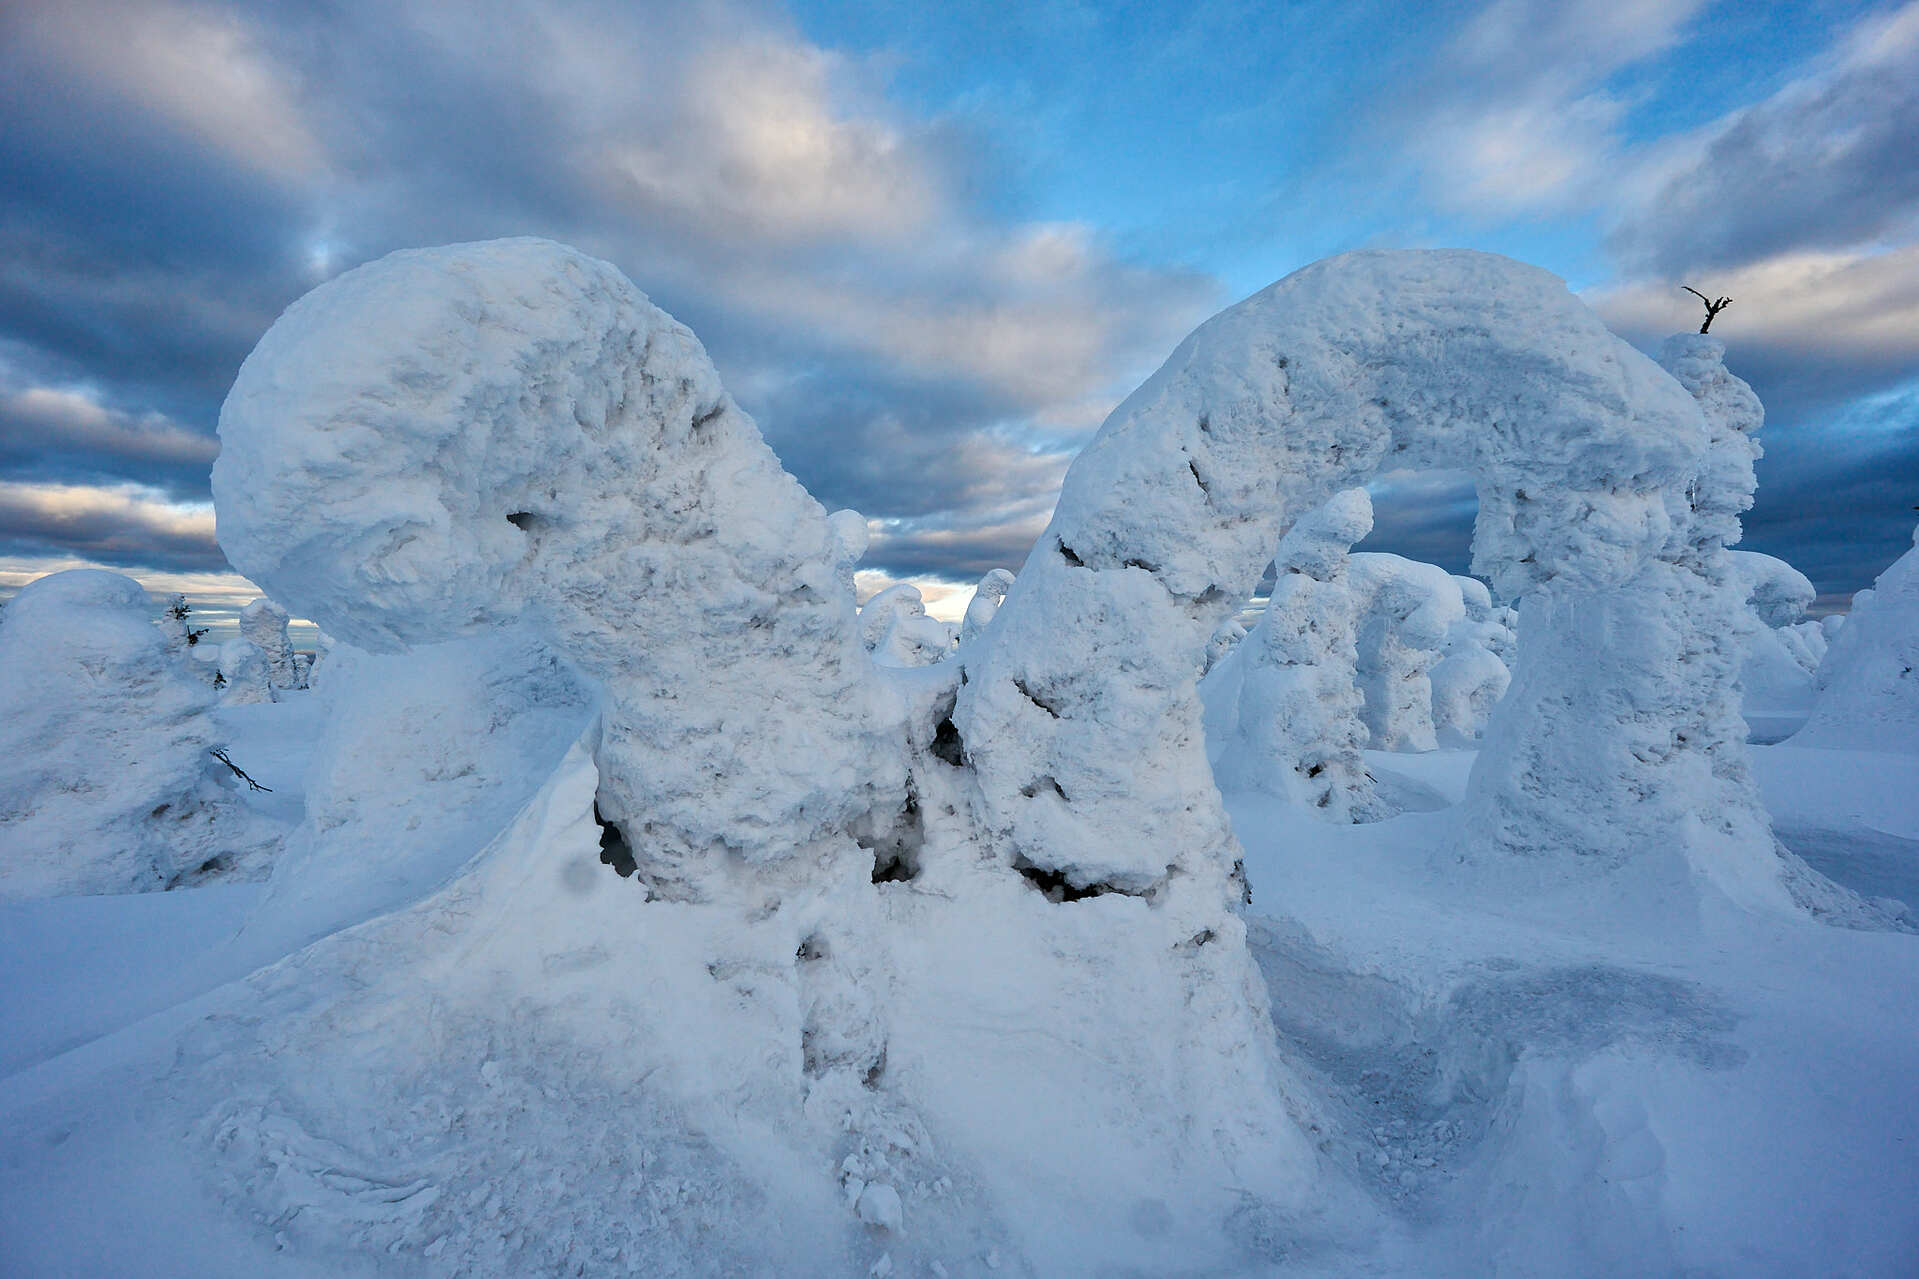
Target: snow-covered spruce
point(451, 439)
point(1472, 676)
point(1779, 651)
point(1300, 732)
point(985, 603)
point(895, 628)
point(243, 674)
point(106, 783)
point(1868, 696)
point(1404, 612)
point(1080, 718)
point(850, 538)
point(264, 623)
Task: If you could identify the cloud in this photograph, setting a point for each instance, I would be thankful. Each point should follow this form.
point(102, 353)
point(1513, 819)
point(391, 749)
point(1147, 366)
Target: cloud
point(123, 525)
point(1825, 163)
point(215, 598)
point(1514, 114)
point(50, 429)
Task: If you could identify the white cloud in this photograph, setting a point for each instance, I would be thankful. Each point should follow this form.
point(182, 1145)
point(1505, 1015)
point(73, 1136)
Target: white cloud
point(59, 420)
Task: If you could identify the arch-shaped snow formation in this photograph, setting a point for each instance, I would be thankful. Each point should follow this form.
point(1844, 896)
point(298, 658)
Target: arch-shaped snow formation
point(1581, 449)
point(449, 439)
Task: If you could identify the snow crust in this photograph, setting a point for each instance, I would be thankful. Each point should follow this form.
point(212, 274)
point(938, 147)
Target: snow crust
point(451, 439)
point(106, 784)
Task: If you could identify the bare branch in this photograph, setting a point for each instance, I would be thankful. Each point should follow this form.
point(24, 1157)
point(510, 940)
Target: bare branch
point(1713, 305)
point(221, 755)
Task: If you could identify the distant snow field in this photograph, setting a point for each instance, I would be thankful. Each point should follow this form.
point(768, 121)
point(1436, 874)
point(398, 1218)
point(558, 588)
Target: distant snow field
point(615, 895)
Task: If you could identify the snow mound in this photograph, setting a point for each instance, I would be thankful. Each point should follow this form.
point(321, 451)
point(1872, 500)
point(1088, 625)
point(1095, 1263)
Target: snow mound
point(106, 783)
point(451, 439)
point(1473, 675)
point(1405, 612)
point(1868, 695)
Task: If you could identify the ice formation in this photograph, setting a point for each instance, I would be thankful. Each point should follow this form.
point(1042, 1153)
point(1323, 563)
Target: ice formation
point(1868, 697)
point(895, 628)
point(264, 624)
point(1468, 681)
point(1404, 612)
point(106, 784)
point(985, 603)
point(1582, 450)
point(850, 537)
point(1300, 730)
point(521, 434)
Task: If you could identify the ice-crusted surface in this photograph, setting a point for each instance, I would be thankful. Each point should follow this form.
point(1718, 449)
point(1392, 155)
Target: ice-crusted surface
point(1300, 730)
point(1868, 696)
point(1404, 612)
point(1354, 365)
point(449, 439)
point(106, 784)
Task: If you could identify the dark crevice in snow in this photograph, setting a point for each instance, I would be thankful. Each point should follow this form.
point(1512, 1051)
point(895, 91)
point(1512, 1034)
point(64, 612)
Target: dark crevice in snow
point(703, 419)
point(896, 847)
point(525, 521)
point(811, 949)
point(875, 1073)
point(1045, 783)
point(1056, 887)
point(1145, 564)
point(1041, 702)
point(1199, 479)
point(614, 850)
point(1066, 553)
point(948, 746)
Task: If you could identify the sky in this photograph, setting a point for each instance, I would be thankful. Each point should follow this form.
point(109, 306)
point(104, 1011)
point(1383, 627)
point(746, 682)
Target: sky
point(930, 246)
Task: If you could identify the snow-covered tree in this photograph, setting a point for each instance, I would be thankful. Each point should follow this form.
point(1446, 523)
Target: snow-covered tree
point(1300, 731)
point(264, 624)
point(985, 603)
point(106, 783)
point(1472, 675)
point(1405, 610)
point(895, 628)
point(1868, 695)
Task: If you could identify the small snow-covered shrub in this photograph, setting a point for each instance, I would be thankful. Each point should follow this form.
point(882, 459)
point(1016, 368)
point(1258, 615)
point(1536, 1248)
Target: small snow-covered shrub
point(106, 783)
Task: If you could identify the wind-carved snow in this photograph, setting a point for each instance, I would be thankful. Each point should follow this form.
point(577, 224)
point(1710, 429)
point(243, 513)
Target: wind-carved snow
point(985, 603)
point(1299, 714)
point(1868, 695)
point(1780, 652)
point(106, 781)
point(454, 439)
point(894, 627)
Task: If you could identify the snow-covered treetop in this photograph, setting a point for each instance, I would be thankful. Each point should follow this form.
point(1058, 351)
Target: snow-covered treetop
point(79, 614)
point(1779, 593)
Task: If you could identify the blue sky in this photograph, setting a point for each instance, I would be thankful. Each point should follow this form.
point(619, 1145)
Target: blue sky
point(930, 246)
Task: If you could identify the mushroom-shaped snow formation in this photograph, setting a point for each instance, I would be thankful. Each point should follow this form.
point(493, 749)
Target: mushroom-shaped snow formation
point(1299, 706)
point(896, 630)
point(106, 785)
point(1080, 717)
point(451, 438)
point(1868, 695)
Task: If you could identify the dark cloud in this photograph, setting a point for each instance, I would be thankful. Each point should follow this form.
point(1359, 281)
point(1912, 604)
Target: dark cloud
point(1826, 163)
point(121, 527)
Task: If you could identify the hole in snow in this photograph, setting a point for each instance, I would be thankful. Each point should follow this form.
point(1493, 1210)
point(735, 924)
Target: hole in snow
point(1066, 553)
point(814, 947)
point(896, 847)
point(614, 850)
point(1043, 784)
point(948, 746)
point(525, 521)
point(1056, 887)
